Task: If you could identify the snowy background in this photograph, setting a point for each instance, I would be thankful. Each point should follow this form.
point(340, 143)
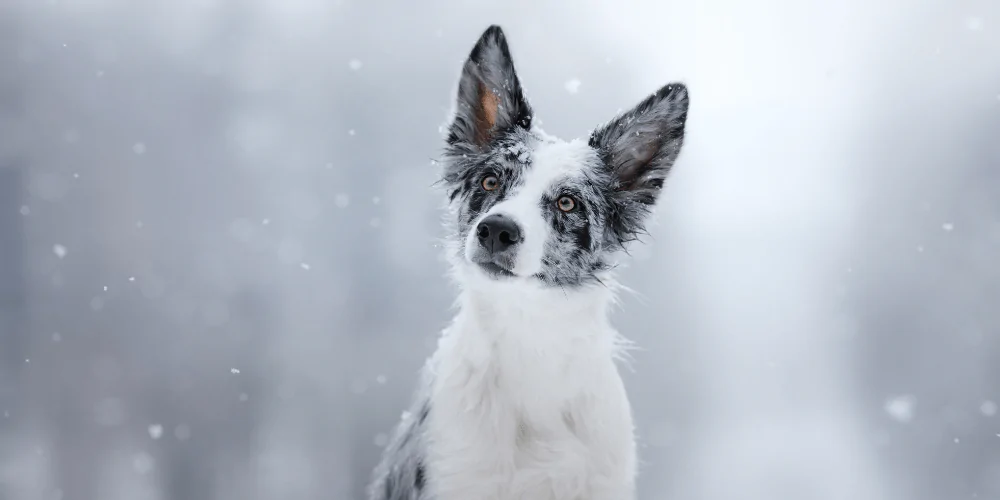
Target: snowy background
point(218, 262)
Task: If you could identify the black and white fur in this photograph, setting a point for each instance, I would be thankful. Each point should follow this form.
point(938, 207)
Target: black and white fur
point(522, 399)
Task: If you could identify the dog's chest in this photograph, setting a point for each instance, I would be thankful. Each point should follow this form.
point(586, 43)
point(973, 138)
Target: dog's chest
point(516, 418)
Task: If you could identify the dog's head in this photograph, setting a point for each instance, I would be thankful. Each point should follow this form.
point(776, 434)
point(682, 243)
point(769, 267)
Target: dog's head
point(526, 206)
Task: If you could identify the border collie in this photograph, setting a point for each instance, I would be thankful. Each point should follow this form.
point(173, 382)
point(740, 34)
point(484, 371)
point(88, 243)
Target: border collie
point(522, 399)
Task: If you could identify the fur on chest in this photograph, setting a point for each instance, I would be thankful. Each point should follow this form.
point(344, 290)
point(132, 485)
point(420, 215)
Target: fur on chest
point(530, 409)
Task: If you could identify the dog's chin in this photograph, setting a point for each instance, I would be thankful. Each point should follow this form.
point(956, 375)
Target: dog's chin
point(495, 271)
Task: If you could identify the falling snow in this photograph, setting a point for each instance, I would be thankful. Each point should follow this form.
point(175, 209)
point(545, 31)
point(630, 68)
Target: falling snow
point(139, 148)
point(342, 200)
point(234, 371)
point(988, 408)
point(155, 431)
point(573, 86)
point(947, 226)
point(59, 250)
point(901, 408)
point(354, 64)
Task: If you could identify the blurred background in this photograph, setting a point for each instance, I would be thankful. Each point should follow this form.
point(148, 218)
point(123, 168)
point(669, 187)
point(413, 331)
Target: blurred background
point(219, 269)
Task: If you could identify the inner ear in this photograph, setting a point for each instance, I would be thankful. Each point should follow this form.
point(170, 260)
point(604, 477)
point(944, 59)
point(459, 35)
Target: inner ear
point(489, 105)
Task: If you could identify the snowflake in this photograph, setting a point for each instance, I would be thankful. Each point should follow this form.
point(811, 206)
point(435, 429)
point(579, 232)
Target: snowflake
point(901, 408)
point(59, 250)
point(520, 151)
point(988, 408)
point(342, 200)
point(354, 64)
point(155, 431)
point(573, 85)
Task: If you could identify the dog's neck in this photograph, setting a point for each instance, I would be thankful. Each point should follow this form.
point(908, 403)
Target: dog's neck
point(534, 314)
point(542, 345)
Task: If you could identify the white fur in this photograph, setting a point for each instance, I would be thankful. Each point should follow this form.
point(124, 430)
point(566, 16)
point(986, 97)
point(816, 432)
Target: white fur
point(527, 402)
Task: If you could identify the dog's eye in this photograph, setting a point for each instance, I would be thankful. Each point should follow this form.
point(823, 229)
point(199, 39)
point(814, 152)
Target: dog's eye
point(490, 182)
point(566, 203)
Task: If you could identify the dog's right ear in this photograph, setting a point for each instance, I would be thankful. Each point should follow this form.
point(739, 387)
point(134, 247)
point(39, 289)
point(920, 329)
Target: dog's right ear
point(490, 99)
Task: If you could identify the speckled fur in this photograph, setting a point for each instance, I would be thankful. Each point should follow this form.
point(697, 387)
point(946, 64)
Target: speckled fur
point(522, 399)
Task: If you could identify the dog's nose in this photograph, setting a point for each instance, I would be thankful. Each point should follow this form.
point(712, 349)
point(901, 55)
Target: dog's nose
point(497, 233)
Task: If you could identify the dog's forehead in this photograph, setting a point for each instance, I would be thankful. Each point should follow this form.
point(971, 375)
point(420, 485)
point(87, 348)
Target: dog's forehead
point(553, 160)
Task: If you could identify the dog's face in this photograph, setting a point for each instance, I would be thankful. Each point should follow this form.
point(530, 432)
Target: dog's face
point(526, 206)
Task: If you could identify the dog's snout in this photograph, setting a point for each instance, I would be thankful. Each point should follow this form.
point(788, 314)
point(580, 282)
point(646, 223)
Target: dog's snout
point(498, 233)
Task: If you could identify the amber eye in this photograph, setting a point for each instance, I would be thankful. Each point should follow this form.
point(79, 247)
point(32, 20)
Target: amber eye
point(566, 204)
point(490, 182)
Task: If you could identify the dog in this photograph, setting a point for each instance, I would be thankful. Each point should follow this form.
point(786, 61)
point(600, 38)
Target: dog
point(522, 399)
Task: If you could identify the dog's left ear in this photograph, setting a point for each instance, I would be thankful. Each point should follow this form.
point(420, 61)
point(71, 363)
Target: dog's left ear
point(641, 145)
point(490, 99)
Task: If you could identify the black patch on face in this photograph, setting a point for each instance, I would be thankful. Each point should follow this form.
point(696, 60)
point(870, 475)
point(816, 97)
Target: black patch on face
point(508, 159)
point(571, 256)
point(583, 238)
point(418, 480)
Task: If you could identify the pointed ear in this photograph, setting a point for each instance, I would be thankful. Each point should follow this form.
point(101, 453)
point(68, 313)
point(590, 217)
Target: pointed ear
point(642, 144)
point(490, 99)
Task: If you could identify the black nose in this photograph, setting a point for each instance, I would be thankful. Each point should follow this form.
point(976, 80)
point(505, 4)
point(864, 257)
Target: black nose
point(497, 233)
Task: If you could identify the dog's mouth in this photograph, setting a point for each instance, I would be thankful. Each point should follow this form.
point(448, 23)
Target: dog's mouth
point(495, 270)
